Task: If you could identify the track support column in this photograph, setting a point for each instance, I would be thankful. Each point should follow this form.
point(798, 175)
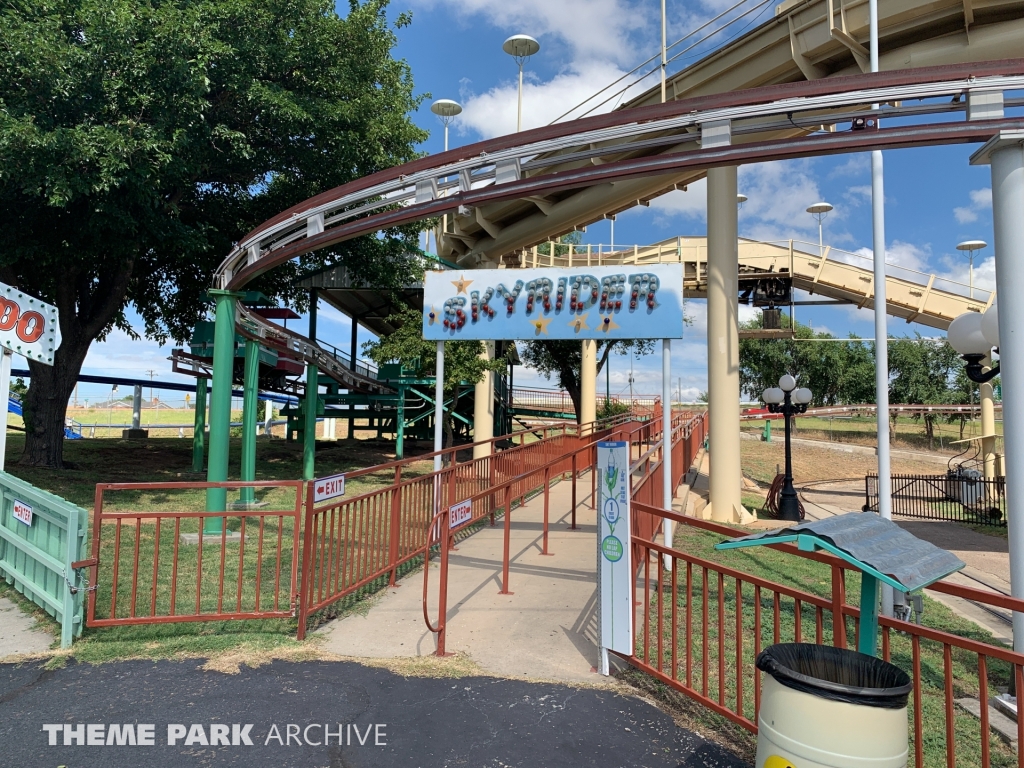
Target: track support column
point(199, 431)
point(250, 406)
point(588, 383)
point(312, 400)
point(1005, 153)
point(220, 405)
point(723, 334)
point(483, 407)
point(988, 427)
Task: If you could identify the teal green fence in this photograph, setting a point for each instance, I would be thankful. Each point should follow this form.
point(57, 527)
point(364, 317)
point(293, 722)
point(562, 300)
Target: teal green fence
point(41, 535)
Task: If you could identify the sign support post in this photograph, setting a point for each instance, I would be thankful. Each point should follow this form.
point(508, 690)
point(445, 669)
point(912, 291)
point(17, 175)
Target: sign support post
point(5, 394)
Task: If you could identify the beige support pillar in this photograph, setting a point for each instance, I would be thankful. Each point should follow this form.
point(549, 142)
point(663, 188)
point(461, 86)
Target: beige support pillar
point(723, 348)
point(988, 427)
point(588, 383)
point(483, 407)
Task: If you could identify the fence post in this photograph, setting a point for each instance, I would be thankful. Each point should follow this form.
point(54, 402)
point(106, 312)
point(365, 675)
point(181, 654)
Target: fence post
point(307, 546)
point(67, 625)
point(573, 526)
point(442, 597)
point(508, 541)
point(396, 522)
point(547, 498)
point(838, 601)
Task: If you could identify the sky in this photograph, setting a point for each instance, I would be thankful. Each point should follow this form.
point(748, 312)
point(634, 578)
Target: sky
point(933, 198)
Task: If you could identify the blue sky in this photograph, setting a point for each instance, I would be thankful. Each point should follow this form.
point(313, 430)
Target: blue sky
point(934, 198)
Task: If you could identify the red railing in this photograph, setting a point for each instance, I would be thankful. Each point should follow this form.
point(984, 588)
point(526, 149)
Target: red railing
point(152, 567)
point(536, 474)
point(701, 624)
point(352, 542)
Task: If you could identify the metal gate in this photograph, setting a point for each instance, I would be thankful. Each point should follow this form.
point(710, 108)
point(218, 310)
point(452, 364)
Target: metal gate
point(159, 557)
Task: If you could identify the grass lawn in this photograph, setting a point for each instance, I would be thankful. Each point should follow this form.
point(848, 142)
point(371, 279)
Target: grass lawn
point(815, 578)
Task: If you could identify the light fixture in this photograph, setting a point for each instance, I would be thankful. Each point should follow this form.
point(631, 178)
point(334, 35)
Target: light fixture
point(783, 399)
point(970, 246)
point(446, 110)
point(520, 48)
point(966, 337)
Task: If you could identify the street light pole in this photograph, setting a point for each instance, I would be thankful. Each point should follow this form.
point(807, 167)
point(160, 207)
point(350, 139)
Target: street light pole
point(970, 246)
point(820, 211)
point(520, 48)
point(789, 401)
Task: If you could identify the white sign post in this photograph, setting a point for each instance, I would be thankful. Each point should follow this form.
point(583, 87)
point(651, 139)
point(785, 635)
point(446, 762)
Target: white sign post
point(614, 556)
point(28, 327)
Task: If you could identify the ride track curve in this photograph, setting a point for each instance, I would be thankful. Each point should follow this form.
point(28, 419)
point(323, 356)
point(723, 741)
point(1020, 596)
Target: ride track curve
point(412, 192)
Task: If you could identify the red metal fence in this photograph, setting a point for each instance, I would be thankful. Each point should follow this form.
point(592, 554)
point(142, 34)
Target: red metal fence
point(158, 567)
point(701, 625)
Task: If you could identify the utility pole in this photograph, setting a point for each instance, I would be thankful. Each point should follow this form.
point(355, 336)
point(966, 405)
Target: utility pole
point(151, 373)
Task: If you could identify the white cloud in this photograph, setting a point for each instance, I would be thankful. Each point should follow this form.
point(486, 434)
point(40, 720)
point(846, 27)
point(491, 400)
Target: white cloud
point(691, 204)
point(901, 254)
point(493, 113)
point(855, 165)
point(981, 199)
point(596, 29)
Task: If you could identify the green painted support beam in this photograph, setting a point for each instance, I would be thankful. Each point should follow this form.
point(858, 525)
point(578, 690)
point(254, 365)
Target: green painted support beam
point(309, 423)
point(400, 425)
point(220, 406)
point(199, 432)
point(250, 417)
point(868, 636)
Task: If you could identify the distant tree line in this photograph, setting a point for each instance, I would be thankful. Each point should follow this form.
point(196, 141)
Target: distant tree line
point(921, 371)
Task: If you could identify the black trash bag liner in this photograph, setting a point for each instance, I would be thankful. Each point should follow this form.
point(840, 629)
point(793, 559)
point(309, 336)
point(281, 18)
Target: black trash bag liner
point(837, 674)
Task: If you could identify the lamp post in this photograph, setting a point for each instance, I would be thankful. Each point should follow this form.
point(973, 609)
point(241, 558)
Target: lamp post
point(789, 401)
point(446, 111)
point(820, 211)
point(973, 335)
point(970, 246)
point(520, 48)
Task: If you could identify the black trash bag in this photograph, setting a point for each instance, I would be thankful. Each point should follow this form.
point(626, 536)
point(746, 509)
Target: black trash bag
point(837, 674)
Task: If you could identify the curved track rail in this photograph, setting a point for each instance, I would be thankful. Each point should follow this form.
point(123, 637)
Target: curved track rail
point(412, 192)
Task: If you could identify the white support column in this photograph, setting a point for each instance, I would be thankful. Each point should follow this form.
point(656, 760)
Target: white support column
point(5, 394)
point(483, 407)
point(1005, 153)
point(588, 383)
point(668, 487)
point(439, 406)
point(988, 426)
point(723, 335)
point(268, 418)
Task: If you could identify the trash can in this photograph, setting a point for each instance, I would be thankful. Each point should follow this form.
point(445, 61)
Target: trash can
point(824, 706)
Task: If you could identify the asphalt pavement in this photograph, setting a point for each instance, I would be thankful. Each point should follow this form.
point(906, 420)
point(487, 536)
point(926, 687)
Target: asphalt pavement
point(279, 715)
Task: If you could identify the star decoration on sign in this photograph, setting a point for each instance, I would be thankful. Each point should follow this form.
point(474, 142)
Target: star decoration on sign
point(580, 324)
point(461, 284)
point(541, 325)
point(608, 324)
point(432, 316)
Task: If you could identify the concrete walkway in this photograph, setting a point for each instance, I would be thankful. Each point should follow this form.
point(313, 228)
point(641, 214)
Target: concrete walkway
point(19, 632)
point(545, 630)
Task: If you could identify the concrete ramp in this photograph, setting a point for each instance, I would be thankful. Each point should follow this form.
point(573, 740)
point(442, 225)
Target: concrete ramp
point(545, 630)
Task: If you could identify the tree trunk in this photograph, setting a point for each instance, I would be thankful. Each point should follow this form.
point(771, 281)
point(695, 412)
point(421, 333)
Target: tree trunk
point(449, 422)
point(46, 404)
point(87, 304)
point(929, 429)
point(576, 397)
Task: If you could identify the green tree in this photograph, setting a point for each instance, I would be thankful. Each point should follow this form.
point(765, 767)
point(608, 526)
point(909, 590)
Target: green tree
point(563, 361)
point(463, 364)
point(835, 371)
point(140, 139)
point(923, 372)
